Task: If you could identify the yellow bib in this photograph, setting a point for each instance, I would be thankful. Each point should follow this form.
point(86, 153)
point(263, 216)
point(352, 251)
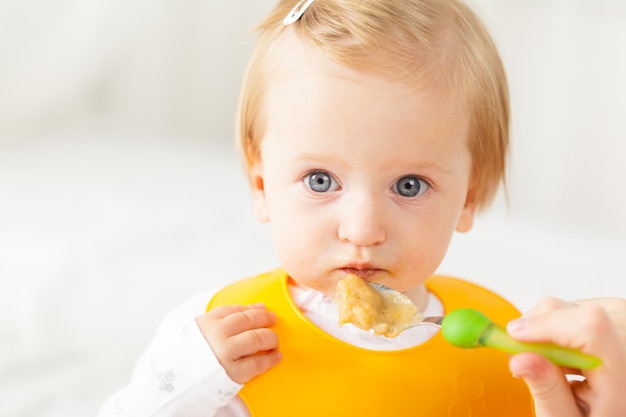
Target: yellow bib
point(323, 376)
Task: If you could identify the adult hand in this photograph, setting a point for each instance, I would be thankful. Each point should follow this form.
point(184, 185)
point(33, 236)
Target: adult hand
point(241, 339)
point(596, 327)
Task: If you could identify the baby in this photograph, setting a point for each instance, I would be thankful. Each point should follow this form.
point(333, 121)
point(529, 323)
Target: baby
point(370, 131)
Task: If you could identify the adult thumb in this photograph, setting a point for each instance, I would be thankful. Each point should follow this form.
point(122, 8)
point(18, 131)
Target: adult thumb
point(550, 389)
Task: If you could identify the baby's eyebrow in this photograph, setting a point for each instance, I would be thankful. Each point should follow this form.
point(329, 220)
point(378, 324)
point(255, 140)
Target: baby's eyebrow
point(316, 157)
point(426, 166)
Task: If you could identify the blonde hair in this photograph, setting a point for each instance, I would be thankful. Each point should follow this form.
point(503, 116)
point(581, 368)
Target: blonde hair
point(410, 40)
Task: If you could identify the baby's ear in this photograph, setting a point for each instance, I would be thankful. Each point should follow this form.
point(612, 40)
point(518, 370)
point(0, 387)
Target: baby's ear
point(466, 219)
point(258, 192)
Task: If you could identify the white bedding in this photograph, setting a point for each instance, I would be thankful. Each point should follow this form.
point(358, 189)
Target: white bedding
point(100, 234)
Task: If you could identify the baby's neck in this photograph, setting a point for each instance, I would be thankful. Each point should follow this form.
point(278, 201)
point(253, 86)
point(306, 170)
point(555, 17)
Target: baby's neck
point(419, 296)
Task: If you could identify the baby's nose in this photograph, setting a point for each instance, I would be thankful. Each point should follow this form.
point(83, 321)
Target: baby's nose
point(363, 224)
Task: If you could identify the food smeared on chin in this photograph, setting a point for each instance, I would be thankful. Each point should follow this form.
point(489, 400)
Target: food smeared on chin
point(386, 313)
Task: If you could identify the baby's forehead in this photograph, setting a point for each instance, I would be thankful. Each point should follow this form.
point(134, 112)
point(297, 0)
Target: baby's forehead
point(312, 97)
point(292, 55)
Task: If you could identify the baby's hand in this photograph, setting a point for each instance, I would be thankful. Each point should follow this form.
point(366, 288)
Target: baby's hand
point(241, 339)
point(595, 326)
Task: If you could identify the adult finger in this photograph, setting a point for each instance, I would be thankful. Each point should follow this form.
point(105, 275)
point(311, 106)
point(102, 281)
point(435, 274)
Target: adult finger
point(547, 305)
point(615, 308)
point(549, 388)
point(586, 327)
point(590, 328)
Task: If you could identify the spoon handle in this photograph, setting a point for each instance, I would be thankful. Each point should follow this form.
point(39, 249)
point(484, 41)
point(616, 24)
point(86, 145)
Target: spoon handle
point(469, 328)
point(496, 337)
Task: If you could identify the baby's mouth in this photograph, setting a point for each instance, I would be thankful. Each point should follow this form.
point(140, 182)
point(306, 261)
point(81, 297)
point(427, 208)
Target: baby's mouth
point(364, 273)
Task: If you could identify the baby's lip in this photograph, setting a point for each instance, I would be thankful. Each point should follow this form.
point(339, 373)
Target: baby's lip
point(366, 272)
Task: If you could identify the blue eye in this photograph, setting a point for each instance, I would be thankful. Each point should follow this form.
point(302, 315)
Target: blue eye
point(320, 182)
point(410, 186)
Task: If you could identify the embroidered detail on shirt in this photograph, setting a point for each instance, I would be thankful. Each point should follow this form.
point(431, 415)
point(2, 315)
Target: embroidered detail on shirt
point(166, 379)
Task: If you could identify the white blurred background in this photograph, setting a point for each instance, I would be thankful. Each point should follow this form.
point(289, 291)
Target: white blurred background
point(121, 194)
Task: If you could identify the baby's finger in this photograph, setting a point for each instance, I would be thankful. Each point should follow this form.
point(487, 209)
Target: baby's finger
point(247, 368)
point(550, 390)
point(223, 311)
point(251, 342)
point(242, 321)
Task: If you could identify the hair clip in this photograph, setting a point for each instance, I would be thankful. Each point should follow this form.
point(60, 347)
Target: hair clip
point(297, 11)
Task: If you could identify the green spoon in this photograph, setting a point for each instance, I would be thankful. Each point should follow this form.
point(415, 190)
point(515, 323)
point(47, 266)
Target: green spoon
point(468, 328)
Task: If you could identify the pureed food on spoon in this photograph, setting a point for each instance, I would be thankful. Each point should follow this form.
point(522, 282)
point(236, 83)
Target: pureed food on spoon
point(387, 313)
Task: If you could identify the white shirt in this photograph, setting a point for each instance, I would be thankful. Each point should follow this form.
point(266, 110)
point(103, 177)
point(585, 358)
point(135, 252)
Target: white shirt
point(178, 374)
